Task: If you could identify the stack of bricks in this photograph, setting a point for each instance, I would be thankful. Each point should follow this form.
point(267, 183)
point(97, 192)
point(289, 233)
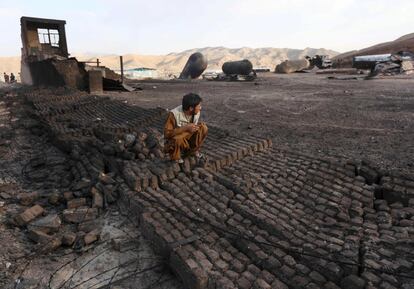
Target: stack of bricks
point(250, 216)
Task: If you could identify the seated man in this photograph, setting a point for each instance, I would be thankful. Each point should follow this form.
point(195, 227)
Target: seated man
point(182, 132)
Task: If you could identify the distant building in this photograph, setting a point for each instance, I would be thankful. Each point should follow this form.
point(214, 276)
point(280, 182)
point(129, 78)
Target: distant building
point(140, 73)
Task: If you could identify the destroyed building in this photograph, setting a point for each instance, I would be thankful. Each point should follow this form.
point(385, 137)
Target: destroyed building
point(45, 59)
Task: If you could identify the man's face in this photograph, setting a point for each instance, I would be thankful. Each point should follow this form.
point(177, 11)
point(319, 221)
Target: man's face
point(196, 109)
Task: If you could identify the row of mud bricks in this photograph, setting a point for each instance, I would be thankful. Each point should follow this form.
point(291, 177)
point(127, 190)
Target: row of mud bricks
point(260, 224)
point(252, 216)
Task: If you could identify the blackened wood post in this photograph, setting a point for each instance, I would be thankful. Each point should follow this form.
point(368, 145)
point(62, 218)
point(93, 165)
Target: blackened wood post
point(122, 69)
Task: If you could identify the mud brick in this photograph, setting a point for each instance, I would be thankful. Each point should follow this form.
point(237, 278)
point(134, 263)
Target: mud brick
point(29, 215)
point(300, 281)
point(76, 203)
point(198, 255)
point(48, 224)
point(289, 260)
point(352, 282)
point(97, 199)
point(331, 285)
point(205, 264)
point(189, 272)
point(68, 238)
point(261, 284)
point(27, 199)
point(287, 272)
point(82, 184)
point(249, 276)
point(222, 265)
point(244, 283)
point(51, 245)
point(144, 181)
point(176, 234)
point(54, 198)
point(333, 271)
point(334, 248)
point(312, 286)
point(401, 263)
point(302, 269)
point(254, 270)
point(38, 236)
point(79, 215)
point(226, 257)
point(92, 236)
point(182, 253)
point(233, 276)
point(186, 166)
point(390, 279)
point(277, 284)
point(153, 182)
point(237, 266)
point(68, 196)
point(260, 255)
point(317, 278)
point(357, 221)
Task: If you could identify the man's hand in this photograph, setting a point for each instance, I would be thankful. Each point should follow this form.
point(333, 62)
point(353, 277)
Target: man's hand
point(191, 128)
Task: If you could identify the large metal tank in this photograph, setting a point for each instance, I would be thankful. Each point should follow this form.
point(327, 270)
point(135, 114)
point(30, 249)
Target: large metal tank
point(194, 67)
point(370, 61)
point(290, 66)
point(241, 67)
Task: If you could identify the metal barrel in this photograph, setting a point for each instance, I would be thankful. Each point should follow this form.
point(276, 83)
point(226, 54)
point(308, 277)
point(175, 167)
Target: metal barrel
point(194, 67)
point(241, 67)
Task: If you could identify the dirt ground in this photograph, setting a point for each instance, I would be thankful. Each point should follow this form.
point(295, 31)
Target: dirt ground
point(355, 119)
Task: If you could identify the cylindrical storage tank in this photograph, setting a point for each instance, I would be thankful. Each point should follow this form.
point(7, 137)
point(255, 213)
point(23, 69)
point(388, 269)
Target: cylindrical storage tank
point(195, 66)
point(241, 67)
point(290, 66)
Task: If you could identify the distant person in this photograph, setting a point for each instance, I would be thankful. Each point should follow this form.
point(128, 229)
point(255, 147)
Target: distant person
point(183, 133)
point(12, 78)
point(6, 77)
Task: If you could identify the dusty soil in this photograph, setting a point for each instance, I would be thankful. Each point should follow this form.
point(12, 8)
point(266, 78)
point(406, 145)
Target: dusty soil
point(353, 119)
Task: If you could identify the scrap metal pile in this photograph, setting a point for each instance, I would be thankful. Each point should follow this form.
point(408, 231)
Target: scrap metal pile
point(386, 64)
point(250, 216)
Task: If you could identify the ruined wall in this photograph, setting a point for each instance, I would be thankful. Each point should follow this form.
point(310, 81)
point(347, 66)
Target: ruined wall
point(33, 40)
point(58, 73)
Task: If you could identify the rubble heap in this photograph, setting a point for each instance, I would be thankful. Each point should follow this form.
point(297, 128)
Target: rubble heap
point(250, 216)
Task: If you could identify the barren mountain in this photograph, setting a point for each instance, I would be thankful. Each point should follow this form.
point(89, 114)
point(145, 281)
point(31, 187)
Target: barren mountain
point(404, 43)
point(174, 62)
point(9, 64)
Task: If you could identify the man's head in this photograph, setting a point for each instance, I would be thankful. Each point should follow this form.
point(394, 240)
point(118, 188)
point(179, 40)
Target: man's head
point(191, 103)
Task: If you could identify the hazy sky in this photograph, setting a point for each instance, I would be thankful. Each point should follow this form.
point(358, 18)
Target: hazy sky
point(160, 27)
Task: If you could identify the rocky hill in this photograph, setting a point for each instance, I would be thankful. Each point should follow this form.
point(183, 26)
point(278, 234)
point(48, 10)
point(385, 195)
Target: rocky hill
point(174, 62)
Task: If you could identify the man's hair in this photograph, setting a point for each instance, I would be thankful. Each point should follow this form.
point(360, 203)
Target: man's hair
point(191, 100)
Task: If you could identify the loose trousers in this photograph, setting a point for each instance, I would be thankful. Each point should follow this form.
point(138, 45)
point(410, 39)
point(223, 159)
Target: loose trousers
point(186, 142)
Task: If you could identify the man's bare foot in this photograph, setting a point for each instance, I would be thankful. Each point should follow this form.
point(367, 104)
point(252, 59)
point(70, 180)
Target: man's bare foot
point(198, 155)
point(179, 161)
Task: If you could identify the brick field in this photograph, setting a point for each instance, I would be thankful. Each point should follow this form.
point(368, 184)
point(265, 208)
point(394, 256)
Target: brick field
point(249, 216)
